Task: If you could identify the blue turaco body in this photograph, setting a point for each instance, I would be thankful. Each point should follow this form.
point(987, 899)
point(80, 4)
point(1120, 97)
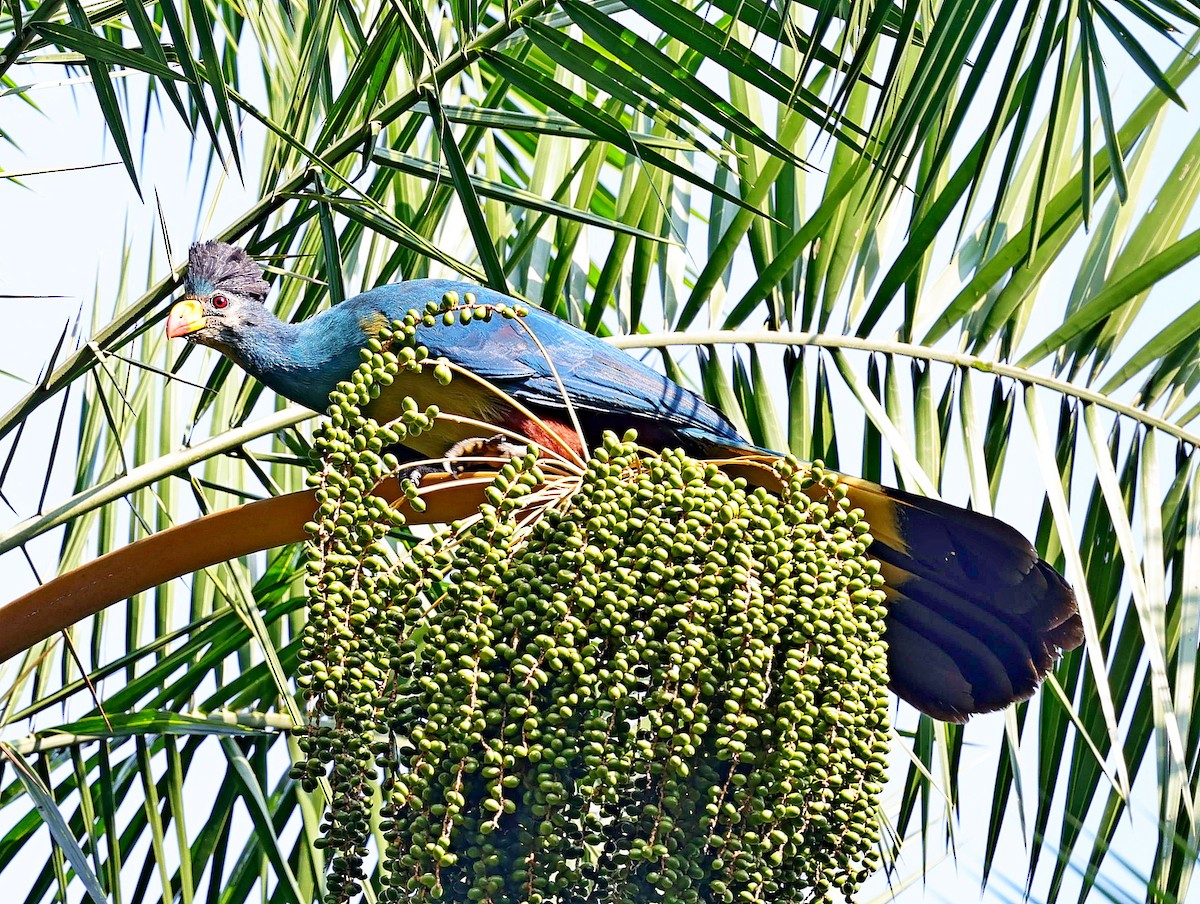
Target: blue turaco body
point(976, 618)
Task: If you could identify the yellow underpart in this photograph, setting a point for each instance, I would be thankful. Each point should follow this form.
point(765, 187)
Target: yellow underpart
point(372, 323)
point(463, 396)
point(879, 509)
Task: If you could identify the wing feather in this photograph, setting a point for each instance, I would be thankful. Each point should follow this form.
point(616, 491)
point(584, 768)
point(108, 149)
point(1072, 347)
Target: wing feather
point(597, 377)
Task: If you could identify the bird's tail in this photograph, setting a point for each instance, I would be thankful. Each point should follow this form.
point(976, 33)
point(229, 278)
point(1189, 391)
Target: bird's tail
point(976, 618)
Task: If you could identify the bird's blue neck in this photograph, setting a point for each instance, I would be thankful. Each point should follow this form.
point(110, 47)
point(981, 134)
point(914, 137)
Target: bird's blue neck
point(301, 361)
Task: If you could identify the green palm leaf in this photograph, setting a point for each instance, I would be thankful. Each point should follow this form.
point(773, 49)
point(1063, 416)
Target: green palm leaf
point(933, 244)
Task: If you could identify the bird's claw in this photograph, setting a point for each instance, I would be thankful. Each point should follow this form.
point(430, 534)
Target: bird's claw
point(498, 446)
point(454, 462)
point(417, 473)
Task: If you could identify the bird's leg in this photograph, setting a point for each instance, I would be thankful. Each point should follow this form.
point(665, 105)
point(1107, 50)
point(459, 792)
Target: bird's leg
point(498, 446)
point(453, 462)
point(416, 473)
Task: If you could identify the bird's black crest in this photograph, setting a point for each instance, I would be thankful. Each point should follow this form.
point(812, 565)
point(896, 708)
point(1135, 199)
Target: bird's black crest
point(215, 266)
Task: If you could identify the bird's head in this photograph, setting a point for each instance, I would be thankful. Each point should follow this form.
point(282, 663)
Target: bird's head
point(223, 297)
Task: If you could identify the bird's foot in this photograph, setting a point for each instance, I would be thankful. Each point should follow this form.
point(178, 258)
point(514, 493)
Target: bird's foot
point(417, 473)
point(498, 446)
point(456, 462)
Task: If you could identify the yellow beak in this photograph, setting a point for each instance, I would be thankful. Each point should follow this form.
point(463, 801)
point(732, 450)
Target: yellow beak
point(186, 317)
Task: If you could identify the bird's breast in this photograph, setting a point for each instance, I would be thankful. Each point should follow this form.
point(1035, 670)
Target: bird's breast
point(463, 397)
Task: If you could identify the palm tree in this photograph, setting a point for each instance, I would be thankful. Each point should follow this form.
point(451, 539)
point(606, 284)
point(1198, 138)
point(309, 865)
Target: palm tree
point(913, 240)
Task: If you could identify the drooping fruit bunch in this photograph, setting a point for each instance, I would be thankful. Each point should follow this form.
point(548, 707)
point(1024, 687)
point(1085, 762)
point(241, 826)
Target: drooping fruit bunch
point(641, 681)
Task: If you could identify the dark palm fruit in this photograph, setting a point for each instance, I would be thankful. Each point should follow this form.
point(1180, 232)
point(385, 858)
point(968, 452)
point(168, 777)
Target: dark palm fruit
point(644, 681)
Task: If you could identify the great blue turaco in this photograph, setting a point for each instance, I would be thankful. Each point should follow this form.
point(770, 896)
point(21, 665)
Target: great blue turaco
point(976, 618)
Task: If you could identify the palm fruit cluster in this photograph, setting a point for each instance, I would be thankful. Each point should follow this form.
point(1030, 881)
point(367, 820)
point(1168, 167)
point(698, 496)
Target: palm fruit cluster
point(350, 581)
point(644, 681)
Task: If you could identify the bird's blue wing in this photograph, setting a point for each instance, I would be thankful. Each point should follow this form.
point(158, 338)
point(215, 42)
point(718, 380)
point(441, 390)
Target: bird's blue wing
point(596, 376)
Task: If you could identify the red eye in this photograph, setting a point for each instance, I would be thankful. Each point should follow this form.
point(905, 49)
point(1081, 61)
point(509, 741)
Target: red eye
point(220, 301)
